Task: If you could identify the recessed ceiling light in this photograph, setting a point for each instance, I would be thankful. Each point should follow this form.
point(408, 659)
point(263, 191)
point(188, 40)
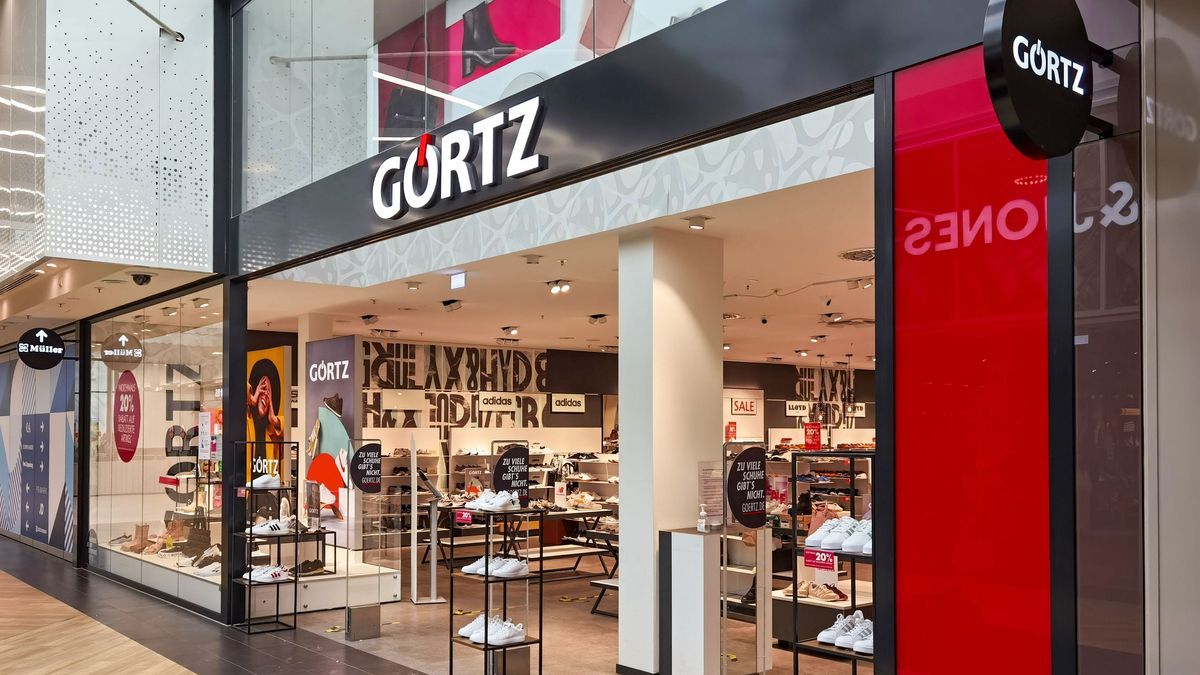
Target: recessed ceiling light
point(802, 352)
point(451, 305)
point(508, 330)
point(52, 265)
point(868, 282)
point(39, 271)
point(216, 353)
point(532, 259)
point(598, 318)
point(559, 286)
point(726, 346)
point(816, 339)
point(170, 311)
point(200, 303)
point(697, 222)
point(414, 285)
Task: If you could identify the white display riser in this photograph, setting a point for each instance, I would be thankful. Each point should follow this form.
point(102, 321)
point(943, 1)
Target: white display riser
point(329, 592)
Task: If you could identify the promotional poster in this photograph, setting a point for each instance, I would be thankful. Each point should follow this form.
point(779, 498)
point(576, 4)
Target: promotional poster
point(267, 413)
point(331, 420)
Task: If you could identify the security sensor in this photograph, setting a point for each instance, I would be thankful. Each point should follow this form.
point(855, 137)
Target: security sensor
point(369, 319)
point(763, 320)
point(141, 278)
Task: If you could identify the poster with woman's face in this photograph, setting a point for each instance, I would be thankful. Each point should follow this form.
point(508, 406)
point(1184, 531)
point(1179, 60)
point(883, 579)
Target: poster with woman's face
point(267, 410)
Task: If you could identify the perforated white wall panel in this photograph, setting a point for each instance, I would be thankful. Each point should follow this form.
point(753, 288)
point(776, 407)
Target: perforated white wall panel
point(129, 120)
point(22, 133)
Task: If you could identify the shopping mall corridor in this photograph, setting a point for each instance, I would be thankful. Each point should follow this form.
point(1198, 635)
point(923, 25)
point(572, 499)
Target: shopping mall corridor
point(57, 619)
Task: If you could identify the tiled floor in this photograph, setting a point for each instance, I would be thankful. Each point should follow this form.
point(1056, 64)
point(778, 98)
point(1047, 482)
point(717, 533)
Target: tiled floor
point(414, 637)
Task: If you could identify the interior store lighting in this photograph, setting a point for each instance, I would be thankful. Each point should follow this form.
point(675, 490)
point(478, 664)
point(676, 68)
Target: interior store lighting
point(816, 339)
point(726, 346)
point(200, 303)
point(509, 330)
point(697, 222)
point(598, 318)
point(414, 285)
point(559, 286)
point(451, 305)
point(170, 311)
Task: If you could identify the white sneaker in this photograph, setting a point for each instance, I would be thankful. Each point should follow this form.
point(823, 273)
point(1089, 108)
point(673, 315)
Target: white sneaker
point(495, 565)
point(500, 633)
point(273, 527)
point(860, 538)
point(869, 548)
point(513, 568)
point(813, 540)
point(478, 502)
point(502, 501)
point(845, 527)
point(493, 625)
point(860, 632)
point(213, 570)
point(867, 644)
point(841, 626)
point(264, 482)
point(271, 574)
point(476, 567)
point(468, 630)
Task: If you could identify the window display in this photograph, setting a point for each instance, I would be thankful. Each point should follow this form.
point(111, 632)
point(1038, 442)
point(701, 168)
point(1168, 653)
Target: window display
point(155, 461)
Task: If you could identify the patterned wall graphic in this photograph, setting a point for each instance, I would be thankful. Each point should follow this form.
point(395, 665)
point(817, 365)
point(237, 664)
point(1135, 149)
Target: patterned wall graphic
point(37, 453)
point(451, 377)
point(822, 144)
point(834, 388)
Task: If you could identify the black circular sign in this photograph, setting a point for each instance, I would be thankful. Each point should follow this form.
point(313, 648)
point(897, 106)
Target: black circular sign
point(121, 350)
point(365, 468)
point(41, 348)
point(746, 487)
point(1039, 71)
point(511, 472)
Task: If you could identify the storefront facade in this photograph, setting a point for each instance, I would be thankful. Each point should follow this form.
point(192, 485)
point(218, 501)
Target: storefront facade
point(1007, 322)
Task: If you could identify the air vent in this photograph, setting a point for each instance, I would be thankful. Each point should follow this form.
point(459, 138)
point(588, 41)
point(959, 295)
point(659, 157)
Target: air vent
point(17, 281)
point(859, 255)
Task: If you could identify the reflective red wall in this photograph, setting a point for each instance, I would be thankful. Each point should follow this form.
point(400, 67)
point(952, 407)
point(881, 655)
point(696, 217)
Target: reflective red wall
point(971, 431)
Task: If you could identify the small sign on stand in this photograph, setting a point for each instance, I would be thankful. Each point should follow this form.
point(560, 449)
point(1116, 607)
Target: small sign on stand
point(365, 468)
point(511, 473)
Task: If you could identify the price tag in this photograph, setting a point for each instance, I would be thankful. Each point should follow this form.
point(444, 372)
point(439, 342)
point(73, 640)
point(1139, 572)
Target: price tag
point(820, 560)
point(462, 518)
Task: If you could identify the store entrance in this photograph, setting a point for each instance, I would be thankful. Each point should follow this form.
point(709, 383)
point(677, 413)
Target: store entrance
point(453, 366)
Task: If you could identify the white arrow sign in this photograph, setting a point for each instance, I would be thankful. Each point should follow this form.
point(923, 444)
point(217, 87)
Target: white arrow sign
point(41, 335)
point(122, 340)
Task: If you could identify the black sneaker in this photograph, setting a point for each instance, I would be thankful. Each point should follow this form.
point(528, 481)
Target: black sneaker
point(308, 568)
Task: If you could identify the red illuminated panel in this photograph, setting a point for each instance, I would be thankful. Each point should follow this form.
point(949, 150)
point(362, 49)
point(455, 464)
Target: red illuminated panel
point(972, 475)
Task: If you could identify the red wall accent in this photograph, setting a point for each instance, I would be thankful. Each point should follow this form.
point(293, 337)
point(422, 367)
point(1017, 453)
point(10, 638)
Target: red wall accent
point(972, 475)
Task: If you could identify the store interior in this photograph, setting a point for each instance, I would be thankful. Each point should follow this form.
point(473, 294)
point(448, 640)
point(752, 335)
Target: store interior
point(799, 310)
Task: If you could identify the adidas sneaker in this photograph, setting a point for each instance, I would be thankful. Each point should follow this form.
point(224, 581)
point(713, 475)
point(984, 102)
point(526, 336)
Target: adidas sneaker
point(841, 626)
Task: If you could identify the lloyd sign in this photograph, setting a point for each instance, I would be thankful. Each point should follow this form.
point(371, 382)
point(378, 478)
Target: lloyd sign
point(796, 408)
point(461, 162)
point(1038, 62)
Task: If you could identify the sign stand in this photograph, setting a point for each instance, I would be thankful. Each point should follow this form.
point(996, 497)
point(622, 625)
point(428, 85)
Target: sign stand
point(414, 530)
point(744, 503)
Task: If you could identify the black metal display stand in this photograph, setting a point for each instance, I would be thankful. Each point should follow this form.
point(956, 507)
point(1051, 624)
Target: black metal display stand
point(510, 525)
point(811, 645)
point(276, 622)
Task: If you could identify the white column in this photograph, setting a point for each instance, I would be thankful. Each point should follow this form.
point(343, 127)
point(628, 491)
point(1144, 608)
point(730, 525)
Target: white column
point(670, 410)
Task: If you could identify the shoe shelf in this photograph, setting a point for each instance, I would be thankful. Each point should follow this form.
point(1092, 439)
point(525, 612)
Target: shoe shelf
point(858, 592)
point(822, 649)
point(275, 543)
point(505, 534)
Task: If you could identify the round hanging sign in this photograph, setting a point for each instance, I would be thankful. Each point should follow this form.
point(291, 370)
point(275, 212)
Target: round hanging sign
point(746, 487)
point(41, 348)
point(1038, 62)
point(511, 473)
point(365, 470)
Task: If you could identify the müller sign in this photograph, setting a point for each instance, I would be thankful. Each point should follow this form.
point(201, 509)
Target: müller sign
point(461, 161)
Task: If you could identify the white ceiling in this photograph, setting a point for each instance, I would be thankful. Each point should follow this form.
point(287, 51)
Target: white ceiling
point(785, 240)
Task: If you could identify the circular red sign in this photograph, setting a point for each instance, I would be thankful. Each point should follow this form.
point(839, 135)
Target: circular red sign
point(127, 416)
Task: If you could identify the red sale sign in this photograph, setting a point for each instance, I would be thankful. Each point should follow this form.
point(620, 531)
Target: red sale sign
point(730, 431)
point(462, 518)
point(812, 435)
point(820, 560)
point(127, 416)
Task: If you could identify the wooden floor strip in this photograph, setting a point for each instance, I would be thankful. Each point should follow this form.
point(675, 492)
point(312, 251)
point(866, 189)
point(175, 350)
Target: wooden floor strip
point(39, 634)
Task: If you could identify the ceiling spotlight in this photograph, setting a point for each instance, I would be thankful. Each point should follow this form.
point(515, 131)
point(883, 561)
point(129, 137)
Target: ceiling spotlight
point(414, 285)
point(451, 305)
point(508, 330)
point(559, 286)
point(851, 284)
point(598, 318)
point(832, 317)
point(39, 271)
point(802, 352)
point(369, 319)
point(170, 311)
point(697, 222)
point(872, 359)
point(532, 259)
point(52, 265)
point(200, 303)
point(726, 346)
point(868, 282)
point(816, 339)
